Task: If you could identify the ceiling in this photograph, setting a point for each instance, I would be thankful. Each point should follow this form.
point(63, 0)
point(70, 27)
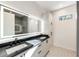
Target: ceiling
point(54, 5)
point(38, 6)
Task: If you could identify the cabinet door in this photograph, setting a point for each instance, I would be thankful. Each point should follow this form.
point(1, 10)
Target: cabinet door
point(8, 24)
point(41, 51)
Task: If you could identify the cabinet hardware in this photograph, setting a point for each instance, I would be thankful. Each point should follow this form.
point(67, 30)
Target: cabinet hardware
point(46, 53)
point(46, 41)
point(39, 45)
point(39, 52)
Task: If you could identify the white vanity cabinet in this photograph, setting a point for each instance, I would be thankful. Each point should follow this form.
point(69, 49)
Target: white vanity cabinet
point(42, 50)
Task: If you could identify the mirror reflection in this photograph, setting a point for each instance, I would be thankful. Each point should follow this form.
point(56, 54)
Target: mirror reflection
point(19, 24)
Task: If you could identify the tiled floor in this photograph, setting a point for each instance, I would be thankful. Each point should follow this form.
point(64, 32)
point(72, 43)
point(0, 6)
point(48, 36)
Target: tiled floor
point(60, 52)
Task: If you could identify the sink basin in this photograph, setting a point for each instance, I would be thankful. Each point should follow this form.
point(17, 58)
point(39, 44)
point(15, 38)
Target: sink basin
point(15, 48)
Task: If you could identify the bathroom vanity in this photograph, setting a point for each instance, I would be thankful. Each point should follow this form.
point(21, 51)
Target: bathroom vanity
point(19, 32)
point(14, 48)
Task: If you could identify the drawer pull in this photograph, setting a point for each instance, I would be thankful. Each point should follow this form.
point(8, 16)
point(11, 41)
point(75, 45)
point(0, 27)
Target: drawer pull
point(46, 41)
point(46, 53)
point(39, 45)
point(39, 52)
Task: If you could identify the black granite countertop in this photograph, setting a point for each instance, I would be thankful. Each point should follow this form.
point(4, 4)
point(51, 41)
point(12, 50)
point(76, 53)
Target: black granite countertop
point(8, 45)
point(3, 52)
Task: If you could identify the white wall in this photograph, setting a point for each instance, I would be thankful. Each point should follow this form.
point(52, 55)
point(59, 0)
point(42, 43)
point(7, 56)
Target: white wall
point(47, 17)
point(28, 7)
point(65, 30)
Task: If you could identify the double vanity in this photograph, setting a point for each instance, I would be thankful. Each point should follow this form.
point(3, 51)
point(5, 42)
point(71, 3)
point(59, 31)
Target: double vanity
point(14, 48)
point(19, 32)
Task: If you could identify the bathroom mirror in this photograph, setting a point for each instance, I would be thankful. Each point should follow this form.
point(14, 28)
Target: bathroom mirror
point(14, 23)
point(25, 24)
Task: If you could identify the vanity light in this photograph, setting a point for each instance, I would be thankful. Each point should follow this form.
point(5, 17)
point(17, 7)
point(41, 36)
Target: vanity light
point(41, 20)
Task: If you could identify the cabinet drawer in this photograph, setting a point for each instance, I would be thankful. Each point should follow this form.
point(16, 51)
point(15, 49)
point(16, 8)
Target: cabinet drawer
point(40, 51)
